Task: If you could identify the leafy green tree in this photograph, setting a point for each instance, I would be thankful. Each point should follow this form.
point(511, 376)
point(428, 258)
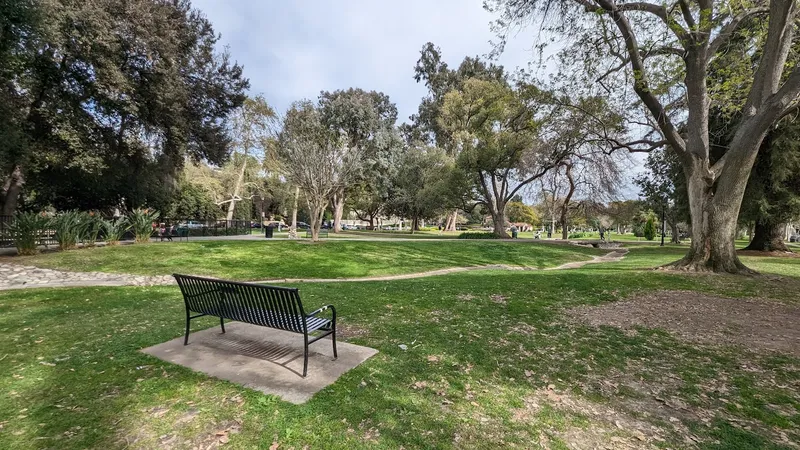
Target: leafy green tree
point(772, 198)
point(664, 189)
point(650, 229)
point(191, 201)
point(496, 135)
point(516, 211)
point(365, 121)
point(439, 78)
point(623, 213)
point(663, 52)
point(108, 99)
point(420, 184)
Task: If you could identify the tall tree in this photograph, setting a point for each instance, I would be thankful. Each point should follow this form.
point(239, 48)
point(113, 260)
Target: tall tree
point(420, 184)
point(496, 136)
point(662, 52)
point(251, 126)
point(440, 79)
point(313, 158)
point(365, 121)
point(109, 98)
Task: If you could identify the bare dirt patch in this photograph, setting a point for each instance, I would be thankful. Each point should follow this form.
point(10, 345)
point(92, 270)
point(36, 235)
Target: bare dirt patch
point(608, 428)
point(754, 324)
point(348, 330)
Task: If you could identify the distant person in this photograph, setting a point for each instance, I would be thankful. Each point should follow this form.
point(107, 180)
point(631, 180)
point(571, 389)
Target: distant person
point(602, 234)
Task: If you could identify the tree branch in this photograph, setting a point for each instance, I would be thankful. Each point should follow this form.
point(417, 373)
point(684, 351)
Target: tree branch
point(640, 84)
point(730, 28)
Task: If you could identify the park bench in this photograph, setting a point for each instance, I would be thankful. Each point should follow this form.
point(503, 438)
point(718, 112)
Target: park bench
point(168, 234)
point(257, 304)
point(323, 233)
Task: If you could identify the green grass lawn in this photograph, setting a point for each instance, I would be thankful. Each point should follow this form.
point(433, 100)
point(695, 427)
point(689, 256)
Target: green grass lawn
point(492, 362)
point(258, 260)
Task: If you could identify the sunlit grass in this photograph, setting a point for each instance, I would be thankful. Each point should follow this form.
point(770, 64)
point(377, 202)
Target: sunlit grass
point(260, 260)
point(481, 346)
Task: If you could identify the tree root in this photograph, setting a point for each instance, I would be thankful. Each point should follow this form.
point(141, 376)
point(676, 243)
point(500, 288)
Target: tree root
point(691, 265)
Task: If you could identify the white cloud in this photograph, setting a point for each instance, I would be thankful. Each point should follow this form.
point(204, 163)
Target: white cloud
point(295, 49)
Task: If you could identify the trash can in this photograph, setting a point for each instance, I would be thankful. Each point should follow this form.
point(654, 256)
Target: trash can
point(514, 234)
point(268, 231)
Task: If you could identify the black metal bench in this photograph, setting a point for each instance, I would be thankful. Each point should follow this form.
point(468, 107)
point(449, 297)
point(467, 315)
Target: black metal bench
point(257, 304)
point(168, 234)
point(323, 233)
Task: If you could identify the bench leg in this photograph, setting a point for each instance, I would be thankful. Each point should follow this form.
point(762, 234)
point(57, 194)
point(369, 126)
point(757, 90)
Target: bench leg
point(222, 324)
point(333, 338)
point(305, 355)
point(188, 321)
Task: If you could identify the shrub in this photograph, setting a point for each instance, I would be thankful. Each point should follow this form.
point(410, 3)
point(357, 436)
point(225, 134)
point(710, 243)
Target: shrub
point(68, 227)
point(474, 235)
point(91, 224)
point(141, 221)
point(650, 229)
point(26, 230)
point(577, 235)
point(114, 229)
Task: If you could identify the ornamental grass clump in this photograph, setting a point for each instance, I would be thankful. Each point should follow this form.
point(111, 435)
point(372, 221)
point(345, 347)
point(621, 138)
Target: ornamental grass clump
point(69, 229)
point(115, 229)
point(91, 224)
point(142, 221)
point(26, 231)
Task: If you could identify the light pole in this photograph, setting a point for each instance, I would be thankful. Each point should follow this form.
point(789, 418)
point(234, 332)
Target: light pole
point(663, 221)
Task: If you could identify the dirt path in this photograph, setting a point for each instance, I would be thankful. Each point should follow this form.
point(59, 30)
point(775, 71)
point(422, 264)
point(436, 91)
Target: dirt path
point(614, 256)
point(13, 276)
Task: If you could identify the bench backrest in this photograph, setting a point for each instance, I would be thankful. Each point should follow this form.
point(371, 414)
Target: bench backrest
point(269, 306)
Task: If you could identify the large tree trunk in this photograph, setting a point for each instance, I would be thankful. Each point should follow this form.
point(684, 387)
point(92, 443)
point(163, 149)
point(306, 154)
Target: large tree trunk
point(497, 209)
point(316, 210)
point(768, 237)
point(499, 223)
point(11, 190)
point(565, 207)
point(293, 228)
point(338, 211)
point(447, 222)
point(452, 221)
point(676, 233)
point(714, 215)
point(237, 188)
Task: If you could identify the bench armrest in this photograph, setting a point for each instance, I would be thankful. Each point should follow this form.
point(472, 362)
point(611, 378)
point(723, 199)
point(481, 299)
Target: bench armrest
point(324, 308)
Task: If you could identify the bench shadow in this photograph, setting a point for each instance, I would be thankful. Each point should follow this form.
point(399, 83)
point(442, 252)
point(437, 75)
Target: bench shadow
point(266, 351)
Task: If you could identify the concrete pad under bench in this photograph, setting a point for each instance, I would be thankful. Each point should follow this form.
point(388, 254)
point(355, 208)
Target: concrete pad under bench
point(264, 359)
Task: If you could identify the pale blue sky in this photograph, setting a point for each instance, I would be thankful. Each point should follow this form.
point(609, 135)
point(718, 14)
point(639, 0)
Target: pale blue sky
point(294, 49)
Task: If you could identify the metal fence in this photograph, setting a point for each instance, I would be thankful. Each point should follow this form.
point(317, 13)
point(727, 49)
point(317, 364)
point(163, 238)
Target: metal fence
point(196, 227)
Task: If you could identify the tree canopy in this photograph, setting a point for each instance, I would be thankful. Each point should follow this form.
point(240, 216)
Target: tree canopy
point(106, 99)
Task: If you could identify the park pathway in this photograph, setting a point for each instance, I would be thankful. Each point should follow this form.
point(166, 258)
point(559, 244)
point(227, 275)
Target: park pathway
point(13, 276)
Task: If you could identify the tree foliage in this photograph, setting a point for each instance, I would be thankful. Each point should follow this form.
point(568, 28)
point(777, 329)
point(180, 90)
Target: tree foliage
point(662, 53)
point(519, 212)
point(419, 184)
point(105, 99)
